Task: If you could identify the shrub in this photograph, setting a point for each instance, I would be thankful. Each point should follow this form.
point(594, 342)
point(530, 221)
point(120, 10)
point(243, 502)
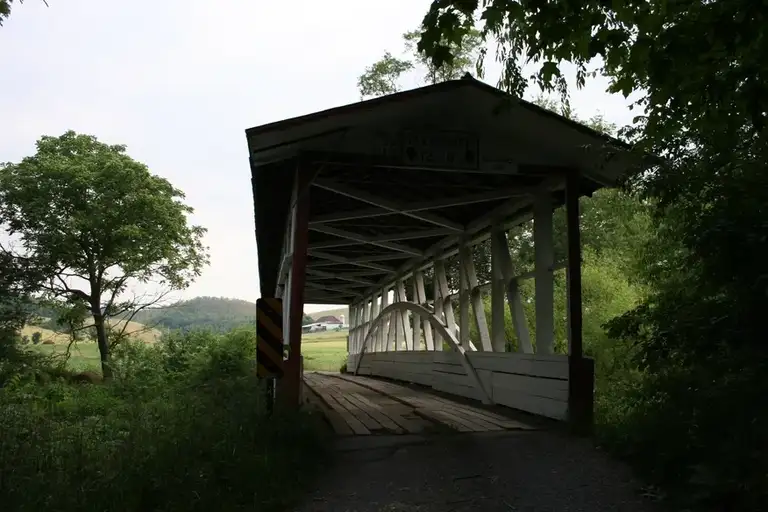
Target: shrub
point(182, 426)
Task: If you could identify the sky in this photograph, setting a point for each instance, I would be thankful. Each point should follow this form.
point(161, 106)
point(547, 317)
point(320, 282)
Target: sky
point(179, 81)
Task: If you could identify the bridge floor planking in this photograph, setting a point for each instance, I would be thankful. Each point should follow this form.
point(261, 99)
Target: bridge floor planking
point(363, 406)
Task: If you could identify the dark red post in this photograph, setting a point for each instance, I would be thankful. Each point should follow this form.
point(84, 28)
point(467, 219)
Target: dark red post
point(290, 384)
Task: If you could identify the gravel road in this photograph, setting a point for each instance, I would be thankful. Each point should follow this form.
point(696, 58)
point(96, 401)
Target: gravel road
point(487, 472)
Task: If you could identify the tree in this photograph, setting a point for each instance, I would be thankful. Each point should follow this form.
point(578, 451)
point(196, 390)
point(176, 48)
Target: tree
point(306, 319)
point(99, 222)
point(383, 76)
point(37, 337)
point(5, 9)
point(700, 74)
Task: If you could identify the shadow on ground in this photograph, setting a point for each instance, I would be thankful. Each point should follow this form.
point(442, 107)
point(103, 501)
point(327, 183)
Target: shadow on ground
point(494, 471)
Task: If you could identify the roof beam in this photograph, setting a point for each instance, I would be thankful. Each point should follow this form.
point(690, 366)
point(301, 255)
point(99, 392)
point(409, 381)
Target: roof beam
point(342, 277)
point(365, 239)
point(412, 235)
point(480, 197)
point(392, 206)
point(317, 297)
point(362, 261)
point(498, 214)
point(333, 289)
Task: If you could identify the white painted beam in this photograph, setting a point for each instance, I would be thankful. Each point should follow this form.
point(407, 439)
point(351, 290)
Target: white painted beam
point(416, 320)
point(445, 296)
point(387, 204)
point(421, 297)
point(514, 300)
point(476, 299)
point(362, 261)
point(463, 301)
point(374, 314)
point(339, 276)
point(342, 291)
point(394, 237)
point(365, 239)
point(437, 301)
point(449, 245)
point(498, 291)
point(405, 324)
point(384, 329)
point(480, 197)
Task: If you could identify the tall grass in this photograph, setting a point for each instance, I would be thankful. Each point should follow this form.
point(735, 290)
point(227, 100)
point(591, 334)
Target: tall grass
point(181, 427)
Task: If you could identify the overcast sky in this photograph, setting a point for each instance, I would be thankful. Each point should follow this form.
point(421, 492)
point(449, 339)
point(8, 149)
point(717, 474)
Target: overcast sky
point(178, 82)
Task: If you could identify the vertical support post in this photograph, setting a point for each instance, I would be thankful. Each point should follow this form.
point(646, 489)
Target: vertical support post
point(581, 371)
point(374, 314)
point(291, 381)
point(445, 297)
point(498, 290)
point(416, 318)
point(463, 299)
point(514, 300)
point(437, 303)
point(545, 285)
point(383, 334)
point(405, 324)
point(421, 297)
point(476, 297)
point(366, 321)
point(392, 322)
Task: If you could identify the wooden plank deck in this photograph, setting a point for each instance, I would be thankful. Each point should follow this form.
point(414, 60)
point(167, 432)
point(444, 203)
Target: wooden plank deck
point(363, 406)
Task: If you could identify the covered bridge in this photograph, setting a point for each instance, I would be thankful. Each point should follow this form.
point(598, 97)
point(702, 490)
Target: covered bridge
point(363, 204)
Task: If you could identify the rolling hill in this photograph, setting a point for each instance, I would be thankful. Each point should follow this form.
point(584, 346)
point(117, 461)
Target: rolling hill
point(218, 314)
point(332, 312)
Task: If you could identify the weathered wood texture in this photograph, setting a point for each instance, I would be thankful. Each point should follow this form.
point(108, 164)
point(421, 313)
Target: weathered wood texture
point(533, 383)
point(363, 406)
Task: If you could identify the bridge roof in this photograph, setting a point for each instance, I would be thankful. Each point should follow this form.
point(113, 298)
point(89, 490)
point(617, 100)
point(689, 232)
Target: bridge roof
point(402, 178)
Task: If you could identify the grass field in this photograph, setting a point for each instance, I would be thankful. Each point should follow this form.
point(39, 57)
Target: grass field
point(324, 350)
point(82, 356)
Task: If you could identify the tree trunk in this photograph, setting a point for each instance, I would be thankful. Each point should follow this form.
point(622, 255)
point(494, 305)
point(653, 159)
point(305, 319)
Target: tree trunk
point(101, 337)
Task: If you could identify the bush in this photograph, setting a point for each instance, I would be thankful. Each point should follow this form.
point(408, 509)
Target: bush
point(181, 427)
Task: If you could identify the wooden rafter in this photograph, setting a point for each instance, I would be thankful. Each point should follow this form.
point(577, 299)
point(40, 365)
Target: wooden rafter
point(392, 206)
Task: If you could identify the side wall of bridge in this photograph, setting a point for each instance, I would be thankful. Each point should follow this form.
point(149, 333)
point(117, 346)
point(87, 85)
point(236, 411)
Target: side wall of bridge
point(531, 383)
point(400, 331)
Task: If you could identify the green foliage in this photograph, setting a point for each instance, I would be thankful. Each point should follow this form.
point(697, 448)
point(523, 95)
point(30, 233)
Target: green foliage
point(217, 314)
point(95, 220)
point(685, 411)
point(5, 10)
point(383, 77)
point(181, 426)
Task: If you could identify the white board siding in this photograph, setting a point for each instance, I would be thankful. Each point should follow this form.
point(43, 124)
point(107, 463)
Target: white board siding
point(533, 383)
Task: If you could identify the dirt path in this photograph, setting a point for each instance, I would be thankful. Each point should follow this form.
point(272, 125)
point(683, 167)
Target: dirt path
point(477, 472)
point(507, 470)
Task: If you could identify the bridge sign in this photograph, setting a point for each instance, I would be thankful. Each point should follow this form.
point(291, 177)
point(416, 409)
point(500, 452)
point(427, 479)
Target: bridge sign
point(269, 337)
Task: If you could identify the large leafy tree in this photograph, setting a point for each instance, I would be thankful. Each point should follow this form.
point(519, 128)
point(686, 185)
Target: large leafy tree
point(98, 222)
point(699, 72)
point(383, 76)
